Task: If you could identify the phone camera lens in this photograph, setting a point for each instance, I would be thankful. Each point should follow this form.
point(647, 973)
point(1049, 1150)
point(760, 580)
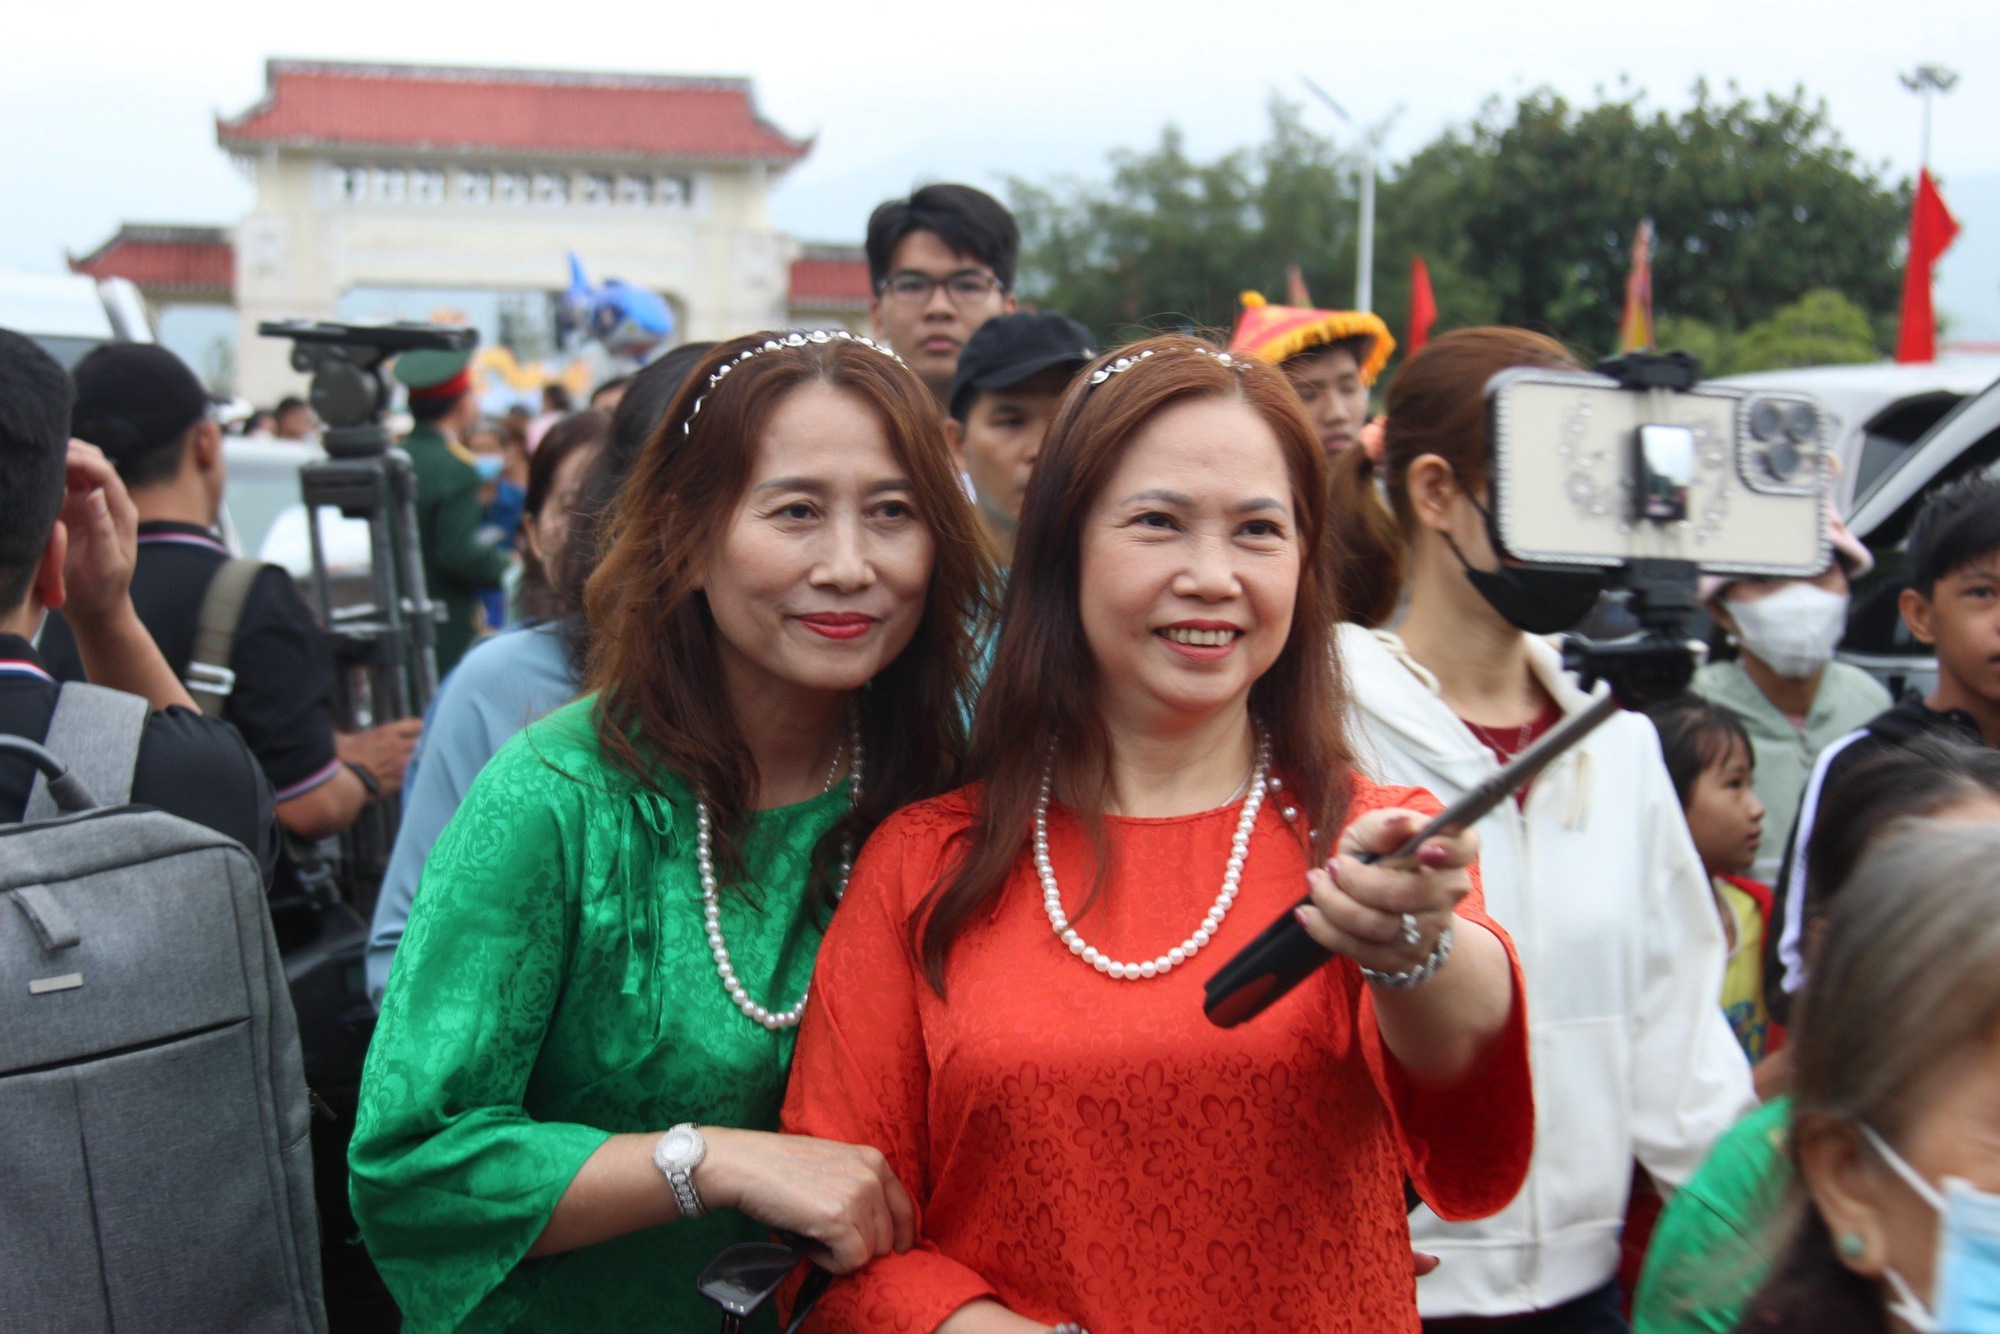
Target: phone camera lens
point(1767, 420)
point(1801, 423)
point(1781, 460)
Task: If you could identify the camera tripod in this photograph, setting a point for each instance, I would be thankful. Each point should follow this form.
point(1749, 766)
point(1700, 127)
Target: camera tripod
point(386, 648)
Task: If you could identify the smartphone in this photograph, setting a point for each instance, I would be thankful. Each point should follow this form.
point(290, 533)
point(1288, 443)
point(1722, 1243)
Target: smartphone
point(1587, 472)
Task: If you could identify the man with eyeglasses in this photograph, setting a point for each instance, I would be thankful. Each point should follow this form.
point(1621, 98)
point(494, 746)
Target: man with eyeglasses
point(941, 263)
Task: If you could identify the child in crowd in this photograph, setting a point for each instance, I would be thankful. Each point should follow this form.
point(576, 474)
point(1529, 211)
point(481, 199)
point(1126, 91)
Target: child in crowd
point(1710, 760)
point(1719, 1233)
point(1952, 604)
point(1782, 680)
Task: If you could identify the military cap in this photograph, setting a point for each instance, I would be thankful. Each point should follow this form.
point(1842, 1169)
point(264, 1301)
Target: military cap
point(434, 373)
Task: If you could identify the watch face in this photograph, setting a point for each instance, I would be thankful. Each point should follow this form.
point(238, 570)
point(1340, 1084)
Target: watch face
point(678, 1146)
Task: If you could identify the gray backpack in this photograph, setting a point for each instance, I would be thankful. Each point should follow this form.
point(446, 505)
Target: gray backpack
point(155, 1169)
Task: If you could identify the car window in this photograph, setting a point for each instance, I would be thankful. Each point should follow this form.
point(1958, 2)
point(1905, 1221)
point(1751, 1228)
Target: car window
point(1874, 622)
point(1879, 453)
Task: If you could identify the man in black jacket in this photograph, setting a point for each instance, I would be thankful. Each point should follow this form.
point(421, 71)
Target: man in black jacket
point(1952, 604)
point(68, 538)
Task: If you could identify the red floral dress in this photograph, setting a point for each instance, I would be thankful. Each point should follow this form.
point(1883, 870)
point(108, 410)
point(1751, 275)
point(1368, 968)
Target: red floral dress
point(1089, 1149)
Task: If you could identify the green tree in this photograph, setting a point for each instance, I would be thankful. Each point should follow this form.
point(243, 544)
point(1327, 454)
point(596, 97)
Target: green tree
point(1821, 328)
point(1171, 242)
point(1753, 205)
point(1714, 348)
point(1524, 216)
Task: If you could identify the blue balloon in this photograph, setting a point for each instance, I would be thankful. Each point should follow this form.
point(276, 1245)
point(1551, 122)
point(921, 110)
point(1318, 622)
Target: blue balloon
point(626, 319)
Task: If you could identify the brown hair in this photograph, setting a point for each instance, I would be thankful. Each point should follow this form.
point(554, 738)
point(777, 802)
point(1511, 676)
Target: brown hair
point(1437, 405)
point(540, 598)
point(1041, 697)
point(653, 658)
point(1906, 979)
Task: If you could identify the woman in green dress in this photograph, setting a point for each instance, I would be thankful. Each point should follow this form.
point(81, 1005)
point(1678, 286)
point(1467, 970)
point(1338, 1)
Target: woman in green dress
point(569, 1100)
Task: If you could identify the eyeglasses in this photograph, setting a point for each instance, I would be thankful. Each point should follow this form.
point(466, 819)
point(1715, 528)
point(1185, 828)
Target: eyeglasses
point(965, 287)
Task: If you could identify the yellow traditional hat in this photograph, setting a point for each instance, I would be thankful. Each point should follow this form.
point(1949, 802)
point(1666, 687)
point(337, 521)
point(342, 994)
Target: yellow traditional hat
point(1275, 333)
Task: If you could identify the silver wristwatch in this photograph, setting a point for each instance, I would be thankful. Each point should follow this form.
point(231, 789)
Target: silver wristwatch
point(677, 1154)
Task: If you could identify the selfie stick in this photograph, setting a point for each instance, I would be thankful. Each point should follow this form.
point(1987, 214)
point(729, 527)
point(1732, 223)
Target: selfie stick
point(1652, 665)
point(1283, 955)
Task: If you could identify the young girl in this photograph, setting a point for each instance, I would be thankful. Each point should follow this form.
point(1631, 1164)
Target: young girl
point(1710, 760)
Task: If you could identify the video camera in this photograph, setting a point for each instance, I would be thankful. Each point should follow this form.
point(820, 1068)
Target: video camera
point(349, 390)
point(1644, 473)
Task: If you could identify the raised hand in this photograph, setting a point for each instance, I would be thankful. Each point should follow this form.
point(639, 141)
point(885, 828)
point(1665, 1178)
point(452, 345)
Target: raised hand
point(103, 528)
point(1365, 912)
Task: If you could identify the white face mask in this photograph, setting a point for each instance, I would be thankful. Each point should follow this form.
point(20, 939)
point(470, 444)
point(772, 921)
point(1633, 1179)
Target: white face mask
point(1795, 629)
point(1965, 1284)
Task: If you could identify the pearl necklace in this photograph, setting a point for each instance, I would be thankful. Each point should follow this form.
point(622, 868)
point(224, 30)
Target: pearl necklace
point(711, 897)
point(1239, 849)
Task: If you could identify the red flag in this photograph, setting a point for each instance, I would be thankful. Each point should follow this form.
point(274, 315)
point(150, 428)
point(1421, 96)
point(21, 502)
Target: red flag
point(1295, 287)
point(1635, 327)
point(1423, 305)
point(1932, 229)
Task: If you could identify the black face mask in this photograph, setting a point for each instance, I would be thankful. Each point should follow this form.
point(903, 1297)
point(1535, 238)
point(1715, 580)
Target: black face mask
point(1540, 599)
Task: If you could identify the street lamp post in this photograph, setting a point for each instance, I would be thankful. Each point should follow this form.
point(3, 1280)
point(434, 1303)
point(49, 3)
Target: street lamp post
point(1364, 260)
point(1926, 81)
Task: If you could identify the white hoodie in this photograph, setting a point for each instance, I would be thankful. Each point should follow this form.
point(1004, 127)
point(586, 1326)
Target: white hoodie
point(1599, 884)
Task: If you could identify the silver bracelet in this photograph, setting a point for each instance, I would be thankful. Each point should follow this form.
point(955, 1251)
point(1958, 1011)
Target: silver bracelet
point(1421, 973)
point(1068, 1327)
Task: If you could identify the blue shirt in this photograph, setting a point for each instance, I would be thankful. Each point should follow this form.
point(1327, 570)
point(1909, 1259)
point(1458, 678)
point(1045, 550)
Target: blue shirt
point(499, 687)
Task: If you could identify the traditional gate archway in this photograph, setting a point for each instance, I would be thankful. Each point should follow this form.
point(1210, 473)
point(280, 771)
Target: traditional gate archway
point(397, 176)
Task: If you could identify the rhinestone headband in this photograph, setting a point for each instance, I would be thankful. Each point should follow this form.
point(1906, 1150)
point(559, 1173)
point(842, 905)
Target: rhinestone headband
point(1098, 377)
point(772, 345)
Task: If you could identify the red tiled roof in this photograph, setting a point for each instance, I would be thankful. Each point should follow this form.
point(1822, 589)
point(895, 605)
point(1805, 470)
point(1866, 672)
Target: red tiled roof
point(165, 259)
point(504, 110)
point(830, 278)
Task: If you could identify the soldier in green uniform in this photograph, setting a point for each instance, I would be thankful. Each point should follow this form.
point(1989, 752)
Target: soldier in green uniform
point(457, 565)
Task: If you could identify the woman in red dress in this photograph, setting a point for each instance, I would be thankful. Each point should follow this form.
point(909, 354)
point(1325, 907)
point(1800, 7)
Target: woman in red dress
point(1009, 1003)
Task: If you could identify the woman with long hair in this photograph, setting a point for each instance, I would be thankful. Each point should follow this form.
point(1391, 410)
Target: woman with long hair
point(587, 1033)
point(1591, 869)
point(1892, 1116)
point(1009, 1004)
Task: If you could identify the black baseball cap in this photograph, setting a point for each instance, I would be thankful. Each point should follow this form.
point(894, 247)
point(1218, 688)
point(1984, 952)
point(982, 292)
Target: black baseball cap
point(133, 399)
point(1008, 349)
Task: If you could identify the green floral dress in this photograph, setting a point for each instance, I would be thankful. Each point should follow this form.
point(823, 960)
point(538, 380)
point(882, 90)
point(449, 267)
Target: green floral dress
point(554, 988)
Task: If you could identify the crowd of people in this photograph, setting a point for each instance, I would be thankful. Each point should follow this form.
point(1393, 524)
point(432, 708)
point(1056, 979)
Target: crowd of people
point(883, 726)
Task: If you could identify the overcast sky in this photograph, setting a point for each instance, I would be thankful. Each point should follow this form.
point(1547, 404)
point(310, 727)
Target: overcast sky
point(107, 109)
